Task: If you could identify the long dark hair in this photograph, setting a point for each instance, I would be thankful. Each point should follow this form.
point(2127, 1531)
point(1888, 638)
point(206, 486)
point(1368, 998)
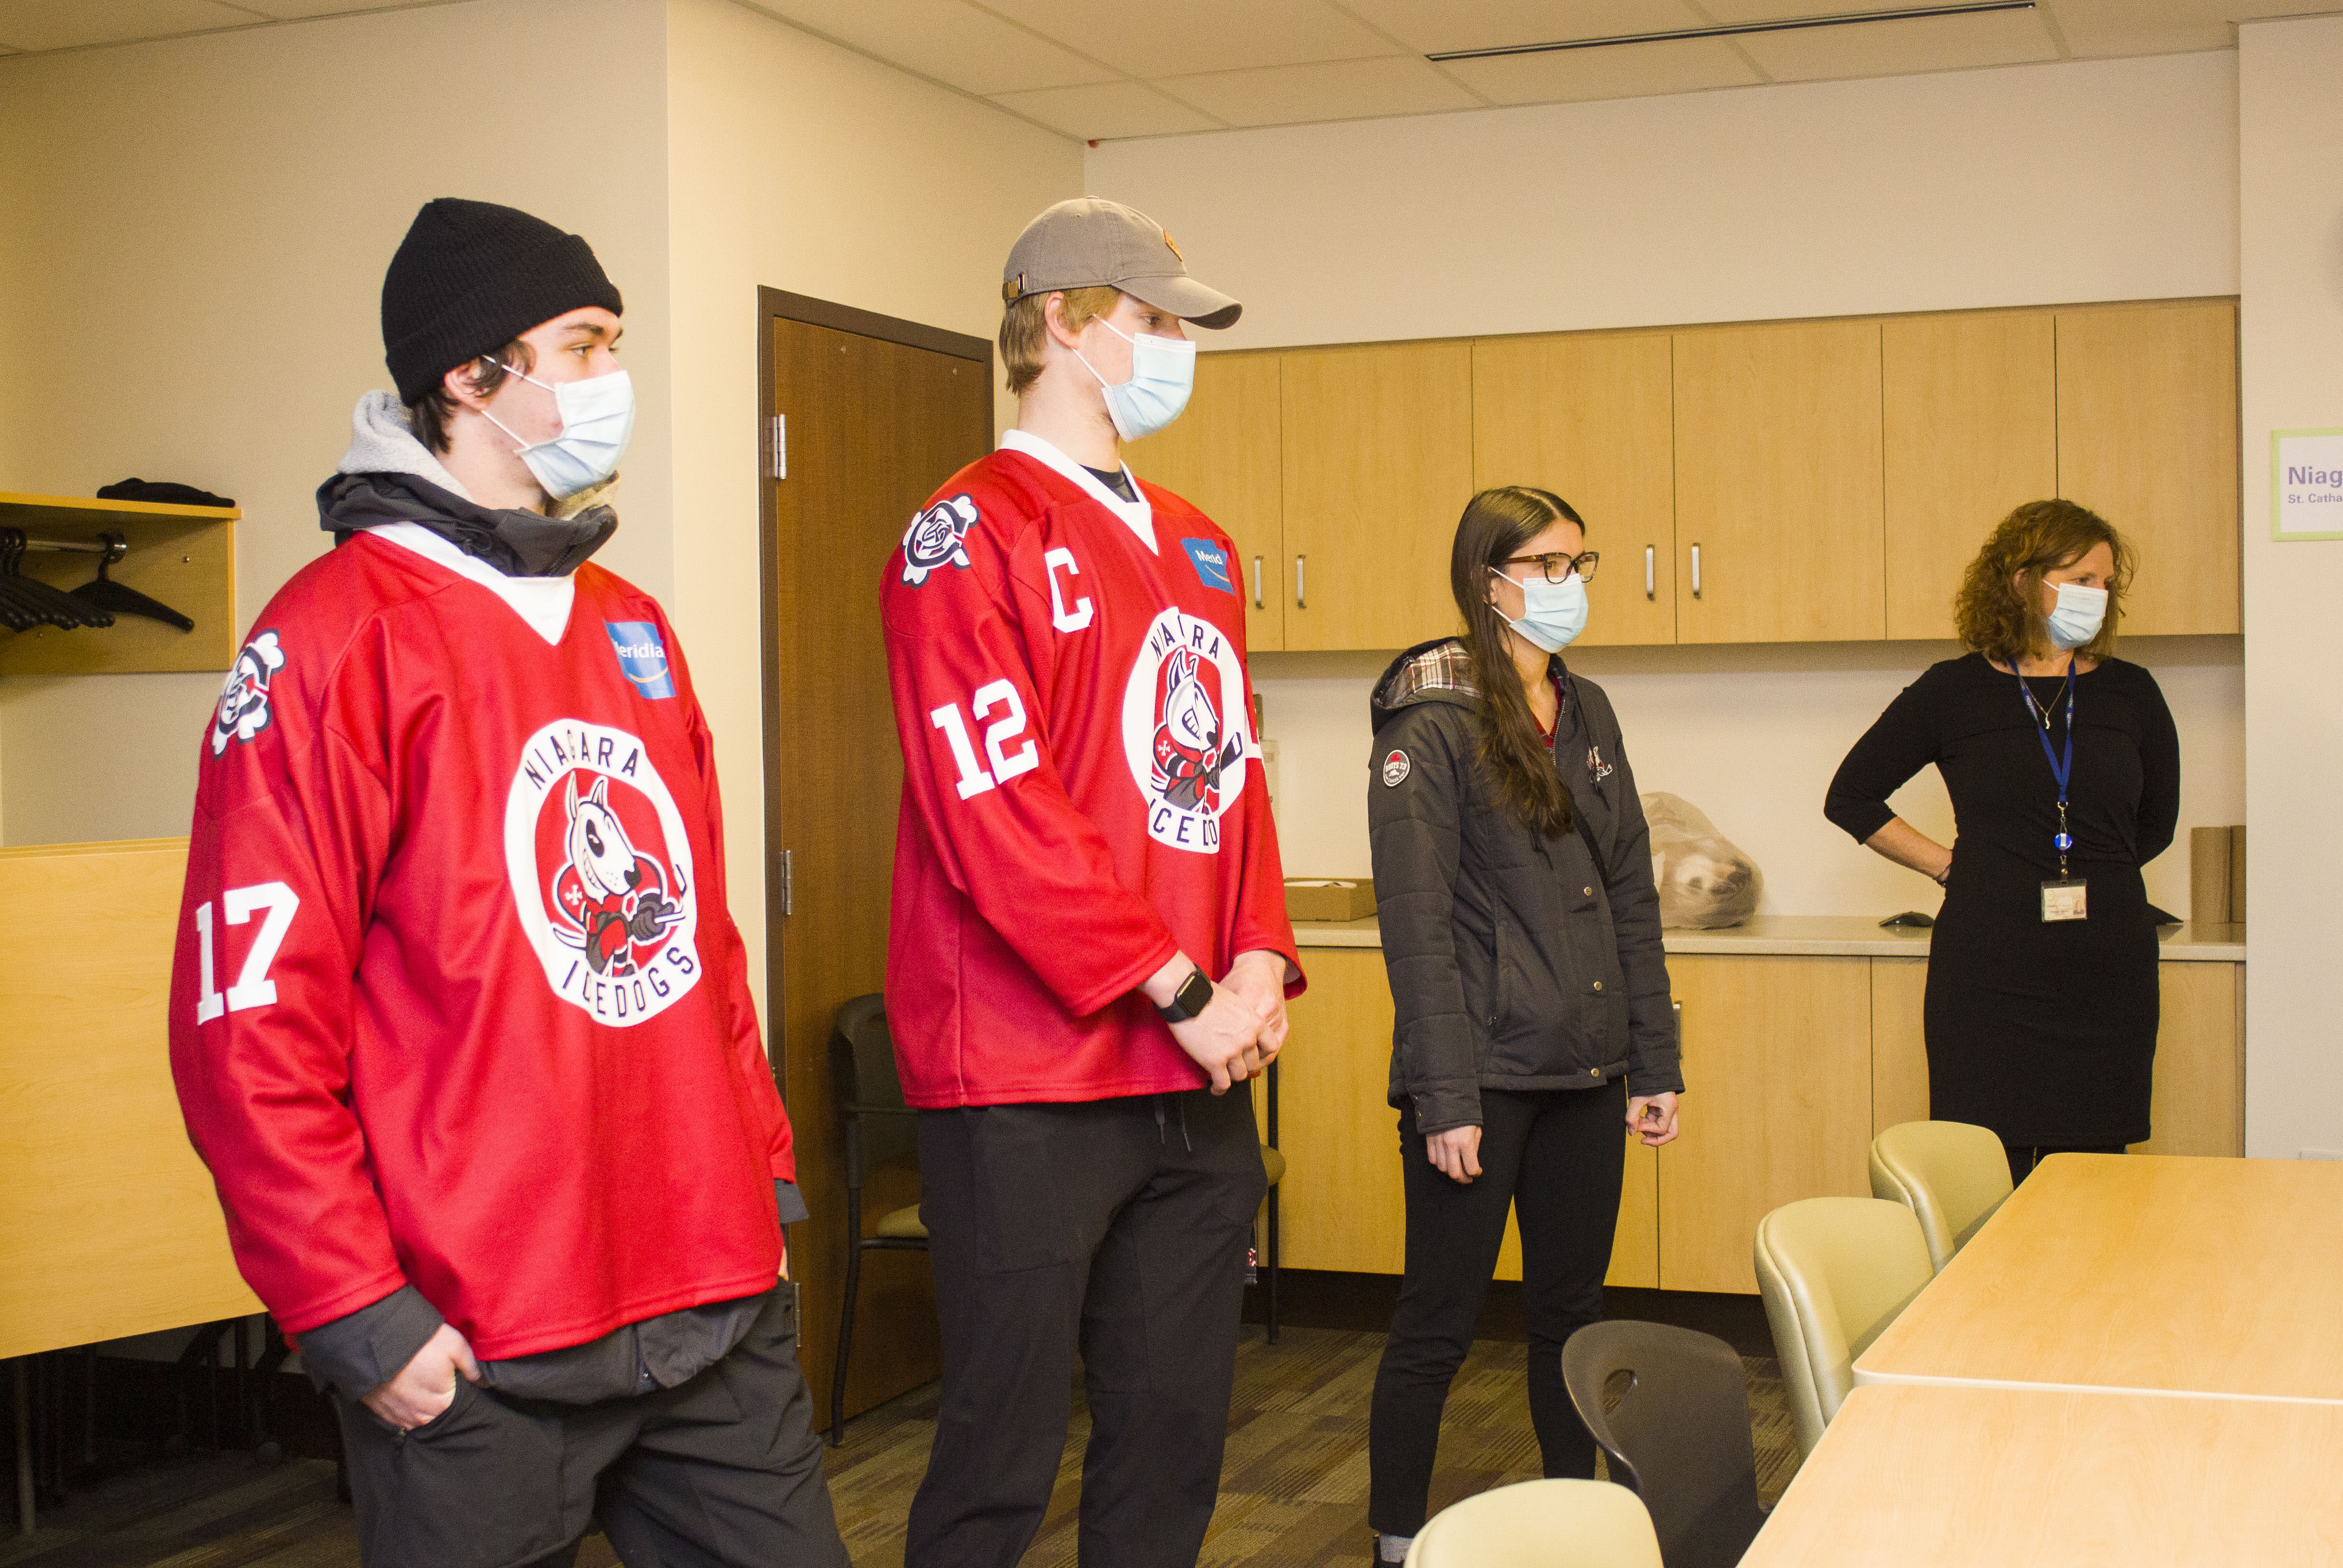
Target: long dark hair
point(1496, 523)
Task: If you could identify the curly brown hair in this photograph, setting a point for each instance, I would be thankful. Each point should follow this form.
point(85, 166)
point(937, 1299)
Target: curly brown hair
point(1999, 610)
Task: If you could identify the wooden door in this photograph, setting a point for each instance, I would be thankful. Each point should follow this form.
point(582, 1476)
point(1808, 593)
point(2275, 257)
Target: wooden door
point(1971, 431)
point(1225, 455)
point(2147, 438)
point(1591, 418)
point(1378, 454)
point(1777, 1070)
point(1778, 499)
point(873, 426)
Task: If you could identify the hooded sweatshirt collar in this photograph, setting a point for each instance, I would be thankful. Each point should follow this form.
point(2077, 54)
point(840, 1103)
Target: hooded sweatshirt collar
point(387, 475)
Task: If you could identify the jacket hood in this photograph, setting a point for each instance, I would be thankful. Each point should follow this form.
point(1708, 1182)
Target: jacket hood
point(387, 475)
point(1435, 671)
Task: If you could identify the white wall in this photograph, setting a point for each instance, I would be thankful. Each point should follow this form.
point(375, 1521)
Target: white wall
point(2038, 184)
point(795, 165)
point(2291, 224)
point(193, 234)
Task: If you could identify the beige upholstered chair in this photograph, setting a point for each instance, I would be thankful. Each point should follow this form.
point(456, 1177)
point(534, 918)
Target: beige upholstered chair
point(1835, 1272)
point(1951, 1175)
point(1540, 1524)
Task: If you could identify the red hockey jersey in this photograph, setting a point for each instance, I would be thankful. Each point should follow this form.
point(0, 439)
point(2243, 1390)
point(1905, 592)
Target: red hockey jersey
point(457, 1001)
point(1082, 792)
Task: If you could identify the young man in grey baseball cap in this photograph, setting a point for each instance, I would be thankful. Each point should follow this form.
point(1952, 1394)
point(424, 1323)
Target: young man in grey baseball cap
point(1090, 953)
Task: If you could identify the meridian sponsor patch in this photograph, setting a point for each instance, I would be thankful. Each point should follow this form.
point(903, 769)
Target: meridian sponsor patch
point(642, 657)
point(1212, 564)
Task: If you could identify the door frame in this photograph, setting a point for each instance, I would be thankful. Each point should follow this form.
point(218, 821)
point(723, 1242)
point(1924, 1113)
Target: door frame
point(772, 304)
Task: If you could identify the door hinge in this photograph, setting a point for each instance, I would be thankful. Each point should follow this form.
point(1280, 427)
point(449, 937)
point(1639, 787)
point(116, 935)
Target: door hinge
point(789, 885)
point(776, 447)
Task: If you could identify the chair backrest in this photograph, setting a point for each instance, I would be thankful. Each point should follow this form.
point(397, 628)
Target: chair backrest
point(1540, 1524)
point(1678, 1434)
point(880, 1128)
point(1951, 1175)
point(1834, 1272)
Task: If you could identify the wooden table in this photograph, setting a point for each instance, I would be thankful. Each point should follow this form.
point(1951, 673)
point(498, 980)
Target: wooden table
point(2001, 1478)
point(2142, 1273)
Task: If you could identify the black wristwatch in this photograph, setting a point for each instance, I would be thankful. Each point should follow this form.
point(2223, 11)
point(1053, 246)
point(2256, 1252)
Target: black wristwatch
point(1195, 994)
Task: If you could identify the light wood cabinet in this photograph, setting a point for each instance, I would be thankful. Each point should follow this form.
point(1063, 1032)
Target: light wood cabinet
point(1970, 405)
point(1777, 1060)
point(1378, 466)
point(1778, 502)
point(1591, 417)
point(2147, 438)
point(1226, 456)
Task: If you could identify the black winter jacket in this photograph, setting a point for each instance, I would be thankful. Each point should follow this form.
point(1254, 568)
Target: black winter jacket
point(1516, 961)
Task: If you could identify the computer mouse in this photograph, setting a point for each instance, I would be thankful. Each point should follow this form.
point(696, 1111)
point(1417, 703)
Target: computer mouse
point(1913, 918)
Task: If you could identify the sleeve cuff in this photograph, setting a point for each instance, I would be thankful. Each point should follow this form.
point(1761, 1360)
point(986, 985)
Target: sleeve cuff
point(366, 1349)
point(790, 1201)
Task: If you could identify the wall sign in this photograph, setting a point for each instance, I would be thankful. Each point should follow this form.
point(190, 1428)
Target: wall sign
point(2306, 485)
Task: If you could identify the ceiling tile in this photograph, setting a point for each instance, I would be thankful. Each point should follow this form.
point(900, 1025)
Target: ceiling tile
point(946, 39)
point(1180, 37)
point(1432, 27)
point(1900, 48)
point(1103, 112)
point(66, 24)
point(1620, 71)
point(1298, 94)
point(2110, 27)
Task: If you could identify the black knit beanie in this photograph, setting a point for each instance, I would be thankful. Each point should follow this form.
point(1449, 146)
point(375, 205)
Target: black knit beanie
point(470, 277)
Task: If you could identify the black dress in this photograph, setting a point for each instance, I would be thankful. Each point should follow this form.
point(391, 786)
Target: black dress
point(2045, 1032)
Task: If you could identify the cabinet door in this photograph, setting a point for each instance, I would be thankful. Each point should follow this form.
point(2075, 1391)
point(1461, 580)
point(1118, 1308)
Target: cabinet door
point(1224, 455)
point(1778, 510)
point(1971, 407)
point(2147, 438)
point(1591, 418)
point(1777, 1066)
point(1899, 1042)
point(1377, 467)
point(2199, 1102)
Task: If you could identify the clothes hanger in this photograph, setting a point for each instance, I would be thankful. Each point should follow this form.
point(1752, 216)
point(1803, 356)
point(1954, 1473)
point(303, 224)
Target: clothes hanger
point(30, 602)
point(106, 594)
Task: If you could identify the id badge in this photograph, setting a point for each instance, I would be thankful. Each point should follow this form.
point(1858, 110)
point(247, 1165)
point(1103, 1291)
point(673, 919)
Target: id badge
point(2067, 901)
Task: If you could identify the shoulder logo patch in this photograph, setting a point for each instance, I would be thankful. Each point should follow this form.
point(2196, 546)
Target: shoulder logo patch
point(244, 711)
point(937, 538)
point(1396, 768)
point(642, 657)
point(1212, 564)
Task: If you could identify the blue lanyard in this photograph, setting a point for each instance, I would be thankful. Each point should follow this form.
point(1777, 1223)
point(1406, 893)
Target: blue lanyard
point(2061, 769)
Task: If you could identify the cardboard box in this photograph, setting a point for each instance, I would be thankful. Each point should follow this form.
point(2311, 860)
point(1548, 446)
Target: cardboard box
point(2208, 875)
point(1318, 899)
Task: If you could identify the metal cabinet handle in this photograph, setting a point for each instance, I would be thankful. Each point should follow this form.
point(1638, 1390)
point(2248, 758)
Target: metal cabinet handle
point(1301, 600)
point(1696, 571)
point(1256, 582)
point(1651, 563)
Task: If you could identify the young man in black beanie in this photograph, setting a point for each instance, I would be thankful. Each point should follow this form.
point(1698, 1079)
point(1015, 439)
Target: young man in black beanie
point(460, 1022)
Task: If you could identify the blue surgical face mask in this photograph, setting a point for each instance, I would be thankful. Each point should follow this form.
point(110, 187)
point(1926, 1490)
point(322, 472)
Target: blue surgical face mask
point(1553, 613)
point(597, 419)
point(1162, 374)
point(2081, 612)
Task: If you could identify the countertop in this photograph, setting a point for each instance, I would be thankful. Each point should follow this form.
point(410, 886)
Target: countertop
point(1816, 936)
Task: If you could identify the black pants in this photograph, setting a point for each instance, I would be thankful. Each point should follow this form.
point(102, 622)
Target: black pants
point(721, 1470)
point(2023, 1159)
point(1117, 1226)
point(1555, 1158)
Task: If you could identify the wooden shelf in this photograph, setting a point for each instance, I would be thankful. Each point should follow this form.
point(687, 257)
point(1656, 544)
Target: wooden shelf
point(183, 556)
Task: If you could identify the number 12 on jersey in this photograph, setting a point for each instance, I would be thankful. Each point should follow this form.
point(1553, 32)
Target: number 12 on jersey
point(974, 780)
point(253, 988)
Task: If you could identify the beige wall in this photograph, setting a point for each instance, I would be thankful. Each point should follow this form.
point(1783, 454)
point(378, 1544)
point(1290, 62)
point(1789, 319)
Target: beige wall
point(2108, 180)
point(797, 165)
point(193, 234)
point(2291, 224)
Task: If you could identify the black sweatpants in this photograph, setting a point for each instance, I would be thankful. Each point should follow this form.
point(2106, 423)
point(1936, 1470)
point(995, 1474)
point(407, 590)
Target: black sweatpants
point(1554, 1157)
point(1117, 1226)
point(723, 1469)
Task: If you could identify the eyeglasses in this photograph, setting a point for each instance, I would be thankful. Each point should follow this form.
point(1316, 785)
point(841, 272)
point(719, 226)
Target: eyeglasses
point(1558, 567)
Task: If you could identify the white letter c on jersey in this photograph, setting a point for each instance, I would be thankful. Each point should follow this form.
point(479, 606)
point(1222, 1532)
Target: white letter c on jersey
point(1060, 617)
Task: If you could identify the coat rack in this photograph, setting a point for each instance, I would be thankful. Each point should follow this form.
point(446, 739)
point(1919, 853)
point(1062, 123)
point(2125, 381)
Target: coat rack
point(92, 588)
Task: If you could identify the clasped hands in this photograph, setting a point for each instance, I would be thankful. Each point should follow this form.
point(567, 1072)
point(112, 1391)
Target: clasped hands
point(1243, 1027)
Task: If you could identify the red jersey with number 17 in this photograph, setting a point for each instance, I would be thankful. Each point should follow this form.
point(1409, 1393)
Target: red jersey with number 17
point(1082, 792)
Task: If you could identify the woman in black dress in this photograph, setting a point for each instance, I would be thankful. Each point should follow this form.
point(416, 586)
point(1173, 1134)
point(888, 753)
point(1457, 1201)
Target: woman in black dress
point(2042, 980)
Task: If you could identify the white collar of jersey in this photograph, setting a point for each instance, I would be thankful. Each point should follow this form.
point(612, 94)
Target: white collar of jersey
point(1138, 514)
point(543, 602)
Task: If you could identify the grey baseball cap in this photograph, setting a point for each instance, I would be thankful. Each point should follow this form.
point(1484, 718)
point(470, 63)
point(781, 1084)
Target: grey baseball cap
point(1089, 243)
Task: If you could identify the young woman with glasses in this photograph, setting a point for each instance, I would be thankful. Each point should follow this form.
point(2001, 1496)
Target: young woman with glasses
point(1521, 932)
